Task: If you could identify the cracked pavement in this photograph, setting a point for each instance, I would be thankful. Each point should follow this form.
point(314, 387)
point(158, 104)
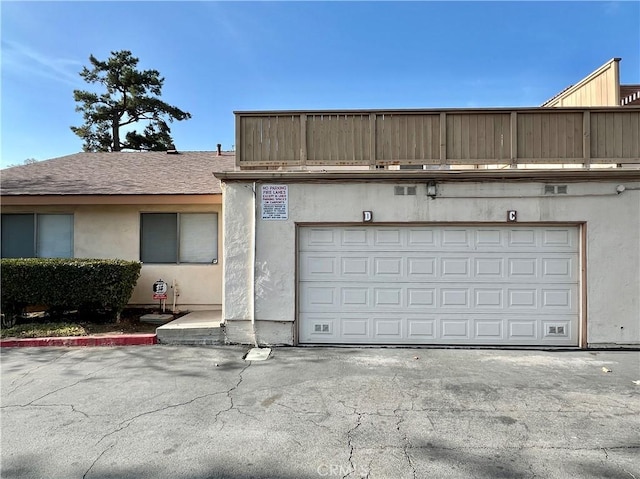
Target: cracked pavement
point(189, 412)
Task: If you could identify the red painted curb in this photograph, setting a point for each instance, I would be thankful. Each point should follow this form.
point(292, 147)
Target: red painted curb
point(120, 340)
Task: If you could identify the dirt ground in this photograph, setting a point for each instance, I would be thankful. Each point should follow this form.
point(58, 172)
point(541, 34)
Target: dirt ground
point(37, 324)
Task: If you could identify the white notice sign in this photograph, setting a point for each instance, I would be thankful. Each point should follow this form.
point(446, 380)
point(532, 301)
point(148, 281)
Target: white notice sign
point(275, 202)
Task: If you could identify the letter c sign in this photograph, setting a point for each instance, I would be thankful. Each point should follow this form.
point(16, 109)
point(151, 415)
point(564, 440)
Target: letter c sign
point(512, 216)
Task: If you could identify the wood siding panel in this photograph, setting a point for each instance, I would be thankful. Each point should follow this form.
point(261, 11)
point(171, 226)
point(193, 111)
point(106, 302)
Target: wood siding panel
point(616, 135)
point(408, 139)
point(550, 136)
point(484, 137)
point(337, 139)
point(599, 88)
point(269, 140)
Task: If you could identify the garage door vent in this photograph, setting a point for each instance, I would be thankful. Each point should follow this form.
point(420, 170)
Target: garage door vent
point(399, 191)
point(321, 328)
point(560, 330)
point(555, 189)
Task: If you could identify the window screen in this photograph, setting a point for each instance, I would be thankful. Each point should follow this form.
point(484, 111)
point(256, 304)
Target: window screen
point(159, 238)
point(55, 236)
point(18, 236)
point(179, 238)
point(37, 235)
point(198, 238)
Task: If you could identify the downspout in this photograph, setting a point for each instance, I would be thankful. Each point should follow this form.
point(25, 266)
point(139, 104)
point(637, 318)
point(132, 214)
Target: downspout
point(253, 268)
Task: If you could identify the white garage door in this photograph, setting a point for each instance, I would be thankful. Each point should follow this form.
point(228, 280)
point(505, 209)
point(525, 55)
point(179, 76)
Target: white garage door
point(493, 285)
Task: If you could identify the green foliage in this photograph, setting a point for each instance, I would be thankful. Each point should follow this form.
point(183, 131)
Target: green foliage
point(28, 161)
point(67, 284)
point(131, 97)
point(43, 330)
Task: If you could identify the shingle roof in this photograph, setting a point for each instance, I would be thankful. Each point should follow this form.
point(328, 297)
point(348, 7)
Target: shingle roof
point(119, 173)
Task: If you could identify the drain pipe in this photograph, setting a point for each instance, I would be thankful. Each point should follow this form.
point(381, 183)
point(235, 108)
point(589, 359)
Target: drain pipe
point(253, 267)
point(176, 293)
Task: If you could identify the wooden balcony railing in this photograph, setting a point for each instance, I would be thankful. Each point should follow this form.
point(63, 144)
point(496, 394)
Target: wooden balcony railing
point(581, 136)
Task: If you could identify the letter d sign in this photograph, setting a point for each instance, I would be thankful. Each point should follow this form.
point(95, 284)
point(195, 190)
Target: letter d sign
point(367, 216)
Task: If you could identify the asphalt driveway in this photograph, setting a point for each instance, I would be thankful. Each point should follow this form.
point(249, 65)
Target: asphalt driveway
point(185, 412)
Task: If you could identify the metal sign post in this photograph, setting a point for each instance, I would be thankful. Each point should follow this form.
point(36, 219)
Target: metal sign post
point(160, 293)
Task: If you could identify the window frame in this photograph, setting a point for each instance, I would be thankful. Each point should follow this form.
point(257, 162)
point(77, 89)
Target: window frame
point(178, 214)
point(34, 215)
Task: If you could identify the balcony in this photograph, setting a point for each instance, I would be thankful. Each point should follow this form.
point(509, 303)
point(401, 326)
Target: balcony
point(439, 139)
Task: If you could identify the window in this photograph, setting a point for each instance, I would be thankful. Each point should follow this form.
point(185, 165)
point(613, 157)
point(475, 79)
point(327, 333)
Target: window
point(179, 238)
point(37, 236)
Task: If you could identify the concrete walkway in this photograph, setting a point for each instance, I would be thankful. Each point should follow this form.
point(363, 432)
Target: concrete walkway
point(195, 328)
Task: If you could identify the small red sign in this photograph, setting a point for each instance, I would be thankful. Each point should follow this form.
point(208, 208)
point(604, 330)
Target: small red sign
point(160, 296)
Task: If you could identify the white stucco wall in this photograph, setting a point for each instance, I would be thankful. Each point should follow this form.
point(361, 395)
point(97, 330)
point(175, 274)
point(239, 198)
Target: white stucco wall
point(113, 232)
point(611, 222)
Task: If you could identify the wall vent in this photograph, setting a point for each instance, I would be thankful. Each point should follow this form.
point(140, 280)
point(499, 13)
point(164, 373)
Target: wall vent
point(555, 189)
point(405, 190)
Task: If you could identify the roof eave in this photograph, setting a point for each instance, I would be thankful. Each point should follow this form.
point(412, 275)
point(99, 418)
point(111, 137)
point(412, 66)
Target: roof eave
point(434, 175)
point(140, 199)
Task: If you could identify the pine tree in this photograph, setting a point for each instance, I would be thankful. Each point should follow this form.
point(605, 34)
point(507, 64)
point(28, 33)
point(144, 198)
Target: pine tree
point(131, 97)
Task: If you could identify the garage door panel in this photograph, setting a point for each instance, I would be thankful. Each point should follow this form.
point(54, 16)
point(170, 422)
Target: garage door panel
point(385, 297)
point(489, 330)
point(558, 268)
point(455, 238)
point(452, 267)
point(350, 266)
point(558, 299)
point(523, 329)
point(455, 268)
point(488, 298)
point(371, 328)
point(522, 268)
point(323, 266)
point(354, 297)
point(459, 297)
point(389, 328)
point(421, 238)
point(319, 237)
point(522, 237)
point(355, 328)
point(560, 238)
point(421, 297)
point(454, 298)
point(387, 237)
point(489, 238)
point(439, 285)
point(420, 329)
point(388, 266)
point(355, 237)
point(455, 329)
point(421, 268)
point(489, 268)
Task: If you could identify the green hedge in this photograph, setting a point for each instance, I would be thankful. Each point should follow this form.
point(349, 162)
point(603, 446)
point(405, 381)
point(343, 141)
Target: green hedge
point(67, 284)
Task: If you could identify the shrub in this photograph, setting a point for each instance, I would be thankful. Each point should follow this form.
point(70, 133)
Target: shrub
point(67, 284)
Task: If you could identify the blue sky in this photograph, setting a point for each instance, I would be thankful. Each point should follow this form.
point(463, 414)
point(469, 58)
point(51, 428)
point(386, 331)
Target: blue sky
point(218, 57)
